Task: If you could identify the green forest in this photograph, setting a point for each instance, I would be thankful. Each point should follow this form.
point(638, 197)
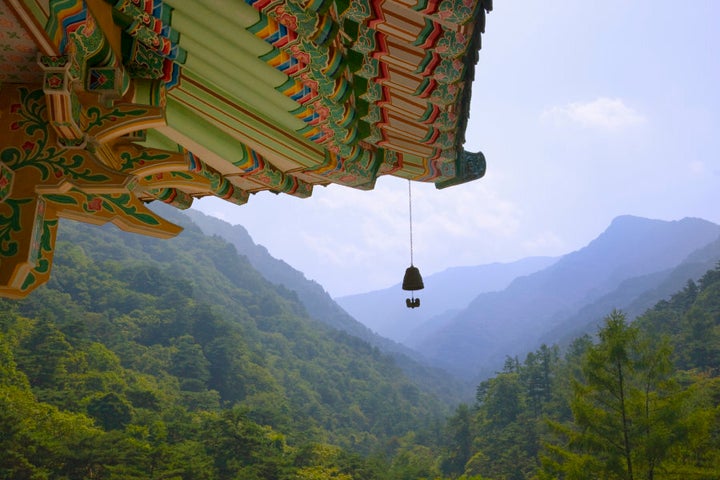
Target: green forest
point(175, 359)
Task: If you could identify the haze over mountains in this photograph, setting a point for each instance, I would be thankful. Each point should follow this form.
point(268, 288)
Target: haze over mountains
point(472, 317)
point(178, 355)
point(634, 263)
point(445, 293)
point(323, 308)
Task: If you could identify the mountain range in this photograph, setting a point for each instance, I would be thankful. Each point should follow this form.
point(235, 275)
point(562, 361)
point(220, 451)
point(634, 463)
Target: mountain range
point(158, 329)
point(321, 307)
point(179, 358)
point(472, 317)
point(631, 265)
point(384, 311)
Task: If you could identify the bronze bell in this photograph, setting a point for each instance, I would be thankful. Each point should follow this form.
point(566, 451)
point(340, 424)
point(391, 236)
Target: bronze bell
point(412, 280)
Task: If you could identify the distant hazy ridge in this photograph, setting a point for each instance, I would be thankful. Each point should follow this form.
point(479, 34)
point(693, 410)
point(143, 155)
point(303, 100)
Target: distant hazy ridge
point(630, 266)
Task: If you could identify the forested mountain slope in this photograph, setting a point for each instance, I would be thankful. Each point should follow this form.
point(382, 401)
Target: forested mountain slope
point(155, 359)
point(514, 320)
point(636, 295)
point(320, 306)
point(634, 400)
point(312, 295)
point(188, 324)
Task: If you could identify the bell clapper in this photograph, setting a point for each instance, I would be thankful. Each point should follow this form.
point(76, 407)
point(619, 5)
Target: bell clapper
point(412, 302)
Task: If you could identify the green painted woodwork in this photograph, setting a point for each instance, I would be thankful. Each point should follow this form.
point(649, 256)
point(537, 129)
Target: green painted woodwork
point(204, 132)
point(234, 58)
point(259, 128)
point(227, 36)
point(259, 96)
point(157, 140)
point(49, 181)
point(172, 100)
point(224, 16)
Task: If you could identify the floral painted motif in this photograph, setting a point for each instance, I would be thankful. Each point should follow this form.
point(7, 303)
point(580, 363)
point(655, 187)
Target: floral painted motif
point(362, 85)
point(9, 226)
point(33, 156)
point(132, 160)
point(6, 178)
point(18, 58)
point(359, 11)
point(98, 117)
point(449, 70)
point(458, 12)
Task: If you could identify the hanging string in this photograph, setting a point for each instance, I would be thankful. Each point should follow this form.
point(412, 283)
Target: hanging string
point(410, 210)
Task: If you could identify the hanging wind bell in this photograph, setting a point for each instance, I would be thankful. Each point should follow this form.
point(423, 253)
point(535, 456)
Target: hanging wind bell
point(412, 280)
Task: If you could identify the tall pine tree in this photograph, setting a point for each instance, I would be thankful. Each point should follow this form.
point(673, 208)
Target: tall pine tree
point(627, 410)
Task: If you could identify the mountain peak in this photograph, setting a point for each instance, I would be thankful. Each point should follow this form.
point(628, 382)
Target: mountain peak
point(634, 220)
point(629, 230)
point(628, 219)
point(507, 322)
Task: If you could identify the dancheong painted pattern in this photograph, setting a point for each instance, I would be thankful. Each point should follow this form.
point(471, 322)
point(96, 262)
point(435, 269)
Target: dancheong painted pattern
point(106, 105)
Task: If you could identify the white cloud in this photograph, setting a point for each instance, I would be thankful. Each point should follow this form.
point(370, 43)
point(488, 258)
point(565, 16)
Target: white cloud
point(219, 214)
point(466, 213)
point(545, 243)
point(331, 251)
point(344, 234)
point(603, 112)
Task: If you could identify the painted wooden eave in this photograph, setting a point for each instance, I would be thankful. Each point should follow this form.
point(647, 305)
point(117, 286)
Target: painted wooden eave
point(394, 106)
point(106, 105)
point(323, 90)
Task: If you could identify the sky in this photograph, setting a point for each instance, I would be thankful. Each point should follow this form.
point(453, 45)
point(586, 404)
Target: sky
point(585, 110)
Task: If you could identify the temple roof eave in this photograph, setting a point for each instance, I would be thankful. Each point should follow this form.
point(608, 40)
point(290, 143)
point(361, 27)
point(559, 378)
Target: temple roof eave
point(114, 104)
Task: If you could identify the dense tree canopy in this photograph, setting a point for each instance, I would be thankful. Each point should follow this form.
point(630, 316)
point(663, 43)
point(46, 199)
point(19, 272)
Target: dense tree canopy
point(154, 353)
point(636, 401)
point(176, 360)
